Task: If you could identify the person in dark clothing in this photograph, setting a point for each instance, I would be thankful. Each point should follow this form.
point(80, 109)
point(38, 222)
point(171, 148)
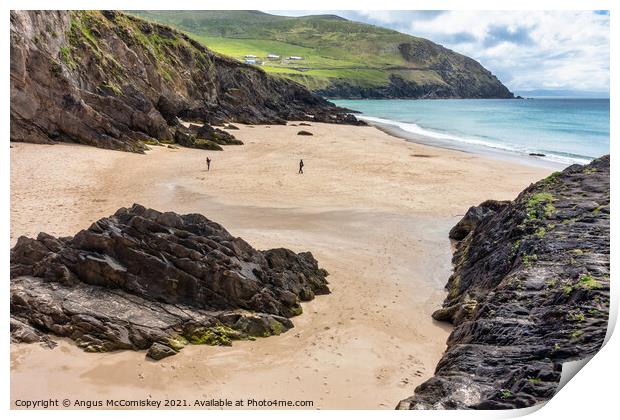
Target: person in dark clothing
point(208, 163)
point(301, 166)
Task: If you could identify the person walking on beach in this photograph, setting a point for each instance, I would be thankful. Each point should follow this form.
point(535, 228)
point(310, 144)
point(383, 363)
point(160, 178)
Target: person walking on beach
point(301, 166)
point(208, 163)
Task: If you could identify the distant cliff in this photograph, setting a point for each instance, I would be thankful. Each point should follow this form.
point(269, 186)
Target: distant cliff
point(530, 291)
point(115, 81)
point(455, 76)
point(340, 58)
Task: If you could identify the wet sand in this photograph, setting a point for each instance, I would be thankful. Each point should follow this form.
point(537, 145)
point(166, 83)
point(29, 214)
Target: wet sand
point(374, 210)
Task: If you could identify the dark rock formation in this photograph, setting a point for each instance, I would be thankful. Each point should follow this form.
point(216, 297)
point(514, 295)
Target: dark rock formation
point(143, 279)
point(204, 137)
point(530, 290)
point(159, 351)
point(462, 76)
point(304, 133)
point(458, 77)
point(115, 81)
point(473, 217)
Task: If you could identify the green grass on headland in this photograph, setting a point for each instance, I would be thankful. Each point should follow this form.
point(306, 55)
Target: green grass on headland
point(333, 49)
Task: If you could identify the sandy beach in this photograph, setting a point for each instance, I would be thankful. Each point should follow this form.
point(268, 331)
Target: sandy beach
point(374, 210)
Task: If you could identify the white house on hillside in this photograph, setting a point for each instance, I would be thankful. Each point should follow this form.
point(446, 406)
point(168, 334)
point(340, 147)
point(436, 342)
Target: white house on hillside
point(273, 57)
point(295, 57)
point(249, 56)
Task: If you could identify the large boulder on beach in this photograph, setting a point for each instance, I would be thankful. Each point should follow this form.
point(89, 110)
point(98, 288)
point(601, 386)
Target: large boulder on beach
point(529, 292)
point(159, 351)
point(141, 277)
point(207, 132)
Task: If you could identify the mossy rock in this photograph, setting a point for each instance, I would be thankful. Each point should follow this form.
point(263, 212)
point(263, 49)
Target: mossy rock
point(177, 343)
point(220, 335)
point(94, 349)
point(224, 141)
point(275, 328)
point(306, 294)
point(445, 314)
point(233, 142)
point(262, 326)
point(206, 144)
point(538, 200)
point(151, 142)
point(586, 281)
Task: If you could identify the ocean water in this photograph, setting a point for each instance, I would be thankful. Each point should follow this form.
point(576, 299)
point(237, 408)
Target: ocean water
point(564, 130)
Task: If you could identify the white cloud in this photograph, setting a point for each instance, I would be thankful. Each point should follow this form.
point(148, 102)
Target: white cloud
point(525, 49)
point(529, 50)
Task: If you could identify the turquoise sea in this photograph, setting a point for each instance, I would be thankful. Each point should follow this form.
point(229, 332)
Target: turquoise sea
point(564, 130)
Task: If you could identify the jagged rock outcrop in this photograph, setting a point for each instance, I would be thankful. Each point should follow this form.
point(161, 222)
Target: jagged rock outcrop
point(115, 81)
point(473, 217)
point(530, 290)
point(204, 137)
point(142, 279)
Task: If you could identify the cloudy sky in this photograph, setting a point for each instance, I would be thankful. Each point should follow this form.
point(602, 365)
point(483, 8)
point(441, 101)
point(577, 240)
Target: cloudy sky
point(526, 50)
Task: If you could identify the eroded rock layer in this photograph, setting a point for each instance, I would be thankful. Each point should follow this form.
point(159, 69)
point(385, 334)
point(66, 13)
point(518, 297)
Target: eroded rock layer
point(530, 291)
point(143, 278)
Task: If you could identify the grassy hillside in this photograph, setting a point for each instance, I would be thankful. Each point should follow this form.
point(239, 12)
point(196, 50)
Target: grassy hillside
point(340, 57)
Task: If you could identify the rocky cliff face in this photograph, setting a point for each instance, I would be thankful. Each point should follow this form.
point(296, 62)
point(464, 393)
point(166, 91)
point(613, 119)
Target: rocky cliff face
point(142, 279)
point(458, 77)
point(530, 290)
point(114, 81)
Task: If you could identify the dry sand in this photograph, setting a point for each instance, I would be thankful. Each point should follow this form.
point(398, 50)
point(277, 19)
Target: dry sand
point(374, 210)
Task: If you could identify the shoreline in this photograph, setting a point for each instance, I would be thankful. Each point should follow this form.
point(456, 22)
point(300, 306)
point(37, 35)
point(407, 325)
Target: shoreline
point(374, 211)
point(514, 157)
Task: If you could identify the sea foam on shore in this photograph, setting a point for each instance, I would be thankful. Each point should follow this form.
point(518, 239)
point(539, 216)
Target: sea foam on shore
point(559, 131)
point(413, 132)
